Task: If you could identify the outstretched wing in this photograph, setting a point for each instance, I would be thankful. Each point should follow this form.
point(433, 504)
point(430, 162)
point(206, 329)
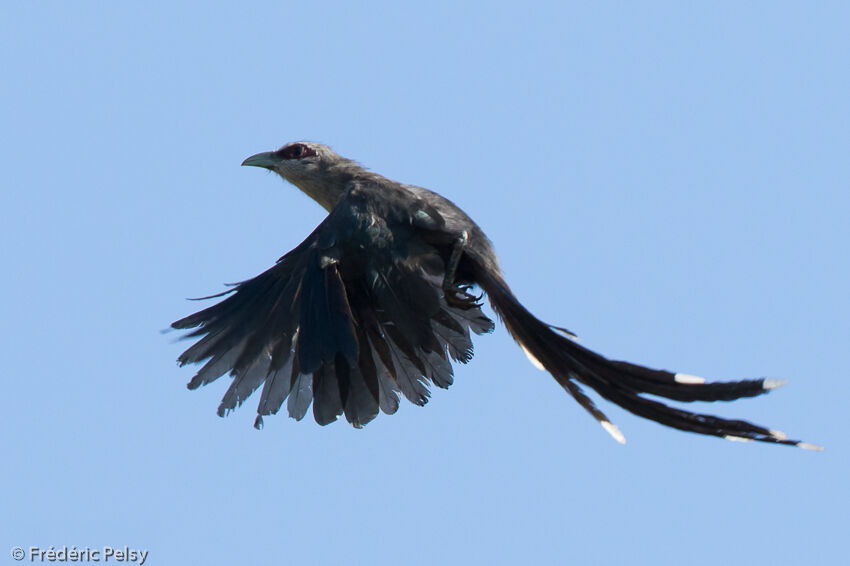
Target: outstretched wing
point(348, 320)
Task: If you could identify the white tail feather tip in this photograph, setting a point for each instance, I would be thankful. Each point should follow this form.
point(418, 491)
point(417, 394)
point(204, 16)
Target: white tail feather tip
point(534, 361)
point(778, 434)
point(571, 335)
point(807, 446)
point(612, 429)
point(688, 379)
point(737, 438)
point(773, 383)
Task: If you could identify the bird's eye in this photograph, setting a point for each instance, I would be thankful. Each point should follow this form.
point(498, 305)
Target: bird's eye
point(296, 151)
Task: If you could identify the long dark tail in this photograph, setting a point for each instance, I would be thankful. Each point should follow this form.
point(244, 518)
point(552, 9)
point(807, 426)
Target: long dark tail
point(623, 383)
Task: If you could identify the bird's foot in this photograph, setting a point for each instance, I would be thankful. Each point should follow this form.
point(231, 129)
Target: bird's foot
point(459, 297)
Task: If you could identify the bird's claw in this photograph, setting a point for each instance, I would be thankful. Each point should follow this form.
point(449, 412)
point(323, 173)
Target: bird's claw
point(459, 298)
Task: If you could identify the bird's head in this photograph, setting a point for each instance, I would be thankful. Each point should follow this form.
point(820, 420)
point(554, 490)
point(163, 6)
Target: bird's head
point(314, 168)
point(295, 161)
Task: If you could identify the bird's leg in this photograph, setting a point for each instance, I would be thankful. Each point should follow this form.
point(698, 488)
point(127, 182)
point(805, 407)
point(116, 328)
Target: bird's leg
point(454, 259)
point(455, 296)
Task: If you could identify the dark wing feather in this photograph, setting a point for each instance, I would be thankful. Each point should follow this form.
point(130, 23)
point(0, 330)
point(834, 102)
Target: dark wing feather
point(327, 402)
point(359, 399)
point(277, 386)
point(217, 366)
point(327, 326)
point(300, 396)
point(244, 383)
point(347, 321)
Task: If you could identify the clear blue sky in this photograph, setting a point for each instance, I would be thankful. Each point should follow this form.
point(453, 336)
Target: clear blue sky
point(677, 179)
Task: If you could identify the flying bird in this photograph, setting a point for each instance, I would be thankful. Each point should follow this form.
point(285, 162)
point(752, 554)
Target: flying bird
point(379, 301)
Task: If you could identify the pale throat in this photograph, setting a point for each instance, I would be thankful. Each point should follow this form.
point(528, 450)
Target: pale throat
point(326, 194)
